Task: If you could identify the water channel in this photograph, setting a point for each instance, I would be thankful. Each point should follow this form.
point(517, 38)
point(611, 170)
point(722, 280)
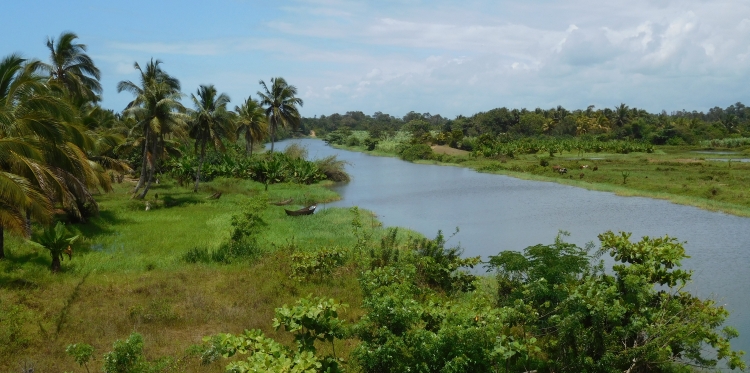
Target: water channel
point(496, 213)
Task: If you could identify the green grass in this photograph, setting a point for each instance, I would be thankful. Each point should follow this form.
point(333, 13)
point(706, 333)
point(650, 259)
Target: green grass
point(128, 275)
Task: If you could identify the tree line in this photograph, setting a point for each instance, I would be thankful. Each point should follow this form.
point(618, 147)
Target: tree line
point(59, 147)
point(621, 122)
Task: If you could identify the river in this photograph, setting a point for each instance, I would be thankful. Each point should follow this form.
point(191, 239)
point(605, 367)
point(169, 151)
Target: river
point(496, 213)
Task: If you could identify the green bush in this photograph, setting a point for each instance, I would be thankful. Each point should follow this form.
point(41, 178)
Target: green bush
point(415, 152)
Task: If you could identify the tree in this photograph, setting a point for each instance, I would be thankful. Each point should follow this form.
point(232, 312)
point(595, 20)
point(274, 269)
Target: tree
point(252, 123)
point(281, 105)
point(209, 124)
point(622, 116)
point(71, 69)
point(156, 110)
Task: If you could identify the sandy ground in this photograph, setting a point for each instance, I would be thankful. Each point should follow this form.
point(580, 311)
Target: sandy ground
point(442, 149)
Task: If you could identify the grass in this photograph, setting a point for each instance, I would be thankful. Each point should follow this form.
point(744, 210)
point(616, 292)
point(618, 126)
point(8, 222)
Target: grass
point(128, 276)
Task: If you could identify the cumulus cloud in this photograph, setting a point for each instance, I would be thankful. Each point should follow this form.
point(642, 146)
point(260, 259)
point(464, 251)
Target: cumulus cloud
point(459, 58)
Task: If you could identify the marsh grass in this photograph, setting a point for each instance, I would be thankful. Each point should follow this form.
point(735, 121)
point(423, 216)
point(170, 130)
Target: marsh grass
point(128, 275)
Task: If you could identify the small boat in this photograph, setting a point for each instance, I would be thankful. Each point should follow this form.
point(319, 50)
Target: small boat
point(303, 211)
point(284, 202)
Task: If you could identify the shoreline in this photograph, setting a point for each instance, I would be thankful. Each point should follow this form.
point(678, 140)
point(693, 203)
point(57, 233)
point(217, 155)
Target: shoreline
point(703, 204)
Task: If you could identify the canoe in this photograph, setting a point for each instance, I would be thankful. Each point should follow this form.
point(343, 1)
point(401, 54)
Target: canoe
point(284, 202)
point(303, 211)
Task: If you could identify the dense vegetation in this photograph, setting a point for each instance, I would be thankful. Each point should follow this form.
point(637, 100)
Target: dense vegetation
point(621, 122)
point(206, 256)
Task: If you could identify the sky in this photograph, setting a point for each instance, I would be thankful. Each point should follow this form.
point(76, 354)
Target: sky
point(442, 57)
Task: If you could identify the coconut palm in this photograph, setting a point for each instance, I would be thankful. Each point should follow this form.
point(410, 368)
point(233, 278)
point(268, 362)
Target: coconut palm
point(281, 105)
point(622, 115)
point(251, 123)
point(71, 69)
point(210, 122)
point(157, 113)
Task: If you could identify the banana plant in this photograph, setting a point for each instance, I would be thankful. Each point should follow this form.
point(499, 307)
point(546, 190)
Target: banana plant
point(58, 241)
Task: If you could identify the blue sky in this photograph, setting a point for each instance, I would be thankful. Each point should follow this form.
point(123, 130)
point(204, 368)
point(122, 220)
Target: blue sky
point(441, 57)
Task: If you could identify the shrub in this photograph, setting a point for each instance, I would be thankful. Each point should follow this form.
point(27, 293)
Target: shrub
point(415, 152)
point(352, 141)
point(320, 264)
point(296, 151)
point(333, 169)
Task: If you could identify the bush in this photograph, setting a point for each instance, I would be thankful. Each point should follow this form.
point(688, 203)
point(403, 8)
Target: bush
point(415, 152)
point(370, 143)
point(333, 169)
point(352, 141)
point(320, 264)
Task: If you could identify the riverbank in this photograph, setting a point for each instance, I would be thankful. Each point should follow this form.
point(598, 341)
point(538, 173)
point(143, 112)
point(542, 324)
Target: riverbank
point(679, 174)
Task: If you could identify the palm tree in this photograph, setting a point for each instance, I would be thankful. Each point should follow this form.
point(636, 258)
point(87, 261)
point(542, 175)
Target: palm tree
point(621, 115)
point(281, 105)
point(210, 123)
point(251, 123)
point(156, 110)
point(71, 69)
point(25, 181)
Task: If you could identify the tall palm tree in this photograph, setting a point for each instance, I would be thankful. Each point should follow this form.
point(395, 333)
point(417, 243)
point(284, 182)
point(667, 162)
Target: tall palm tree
point(621, 115)
point(209, 124)
point(71, 69)
point(281, 105)
point(251, 123)
point(157, 112)
point(27, 132)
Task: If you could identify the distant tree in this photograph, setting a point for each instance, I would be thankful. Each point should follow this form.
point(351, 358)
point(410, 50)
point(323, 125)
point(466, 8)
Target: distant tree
point(157, 113)
point(209, 124)
point(252, 123)
point(281, 105)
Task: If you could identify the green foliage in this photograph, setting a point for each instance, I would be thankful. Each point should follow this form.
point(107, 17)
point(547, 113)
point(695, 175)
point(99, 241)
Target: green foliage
point(370, 143)
point(364, 237)
point(440, 267)
point(388, 253)
point(290, 166)
point(592, 321)
point(126, 356)
point(57, 240)
point(413, 152)
point(81, 353)
point(310, 320)
point(320, 264)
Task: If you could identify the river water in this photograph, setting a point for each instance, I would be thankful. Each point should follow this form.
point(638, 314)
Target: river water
point(496, 213)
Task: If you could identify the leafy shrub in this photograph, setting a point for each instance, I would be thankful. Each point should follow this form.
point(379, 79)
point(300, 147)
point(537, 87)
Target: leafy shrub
point(370, 143)
point(126, 356)
point(320, 264)
point(440, 267)
point(352, 141)
point(310, 320)
point(415, 152)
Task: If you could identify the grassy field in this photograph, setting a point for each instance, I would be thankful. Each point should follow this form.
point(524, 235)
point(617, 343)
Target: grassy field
point(685, 175)
point(128, 274)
